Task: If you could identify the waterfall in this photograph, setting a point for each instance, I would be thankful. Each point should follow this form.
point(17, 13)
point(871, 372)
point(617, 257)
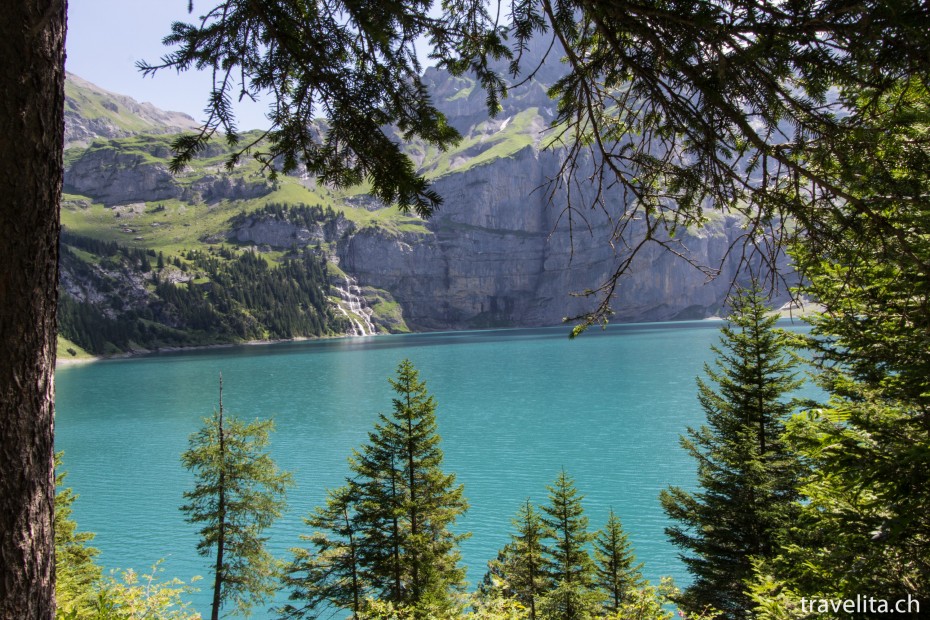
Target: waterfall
point(353, 306)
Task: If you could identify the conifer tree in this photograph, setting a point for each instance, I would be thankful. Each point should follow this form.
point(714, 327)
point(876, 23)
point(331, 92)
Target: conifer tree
point(238, 493)
point(399, 507)
point(378, 497)
point(520, 564)
point(328, 574)
point(747, 476)
point(421, 503)
point(569, 567)
point(77, 574)
point(616, 571)
point(864, 528)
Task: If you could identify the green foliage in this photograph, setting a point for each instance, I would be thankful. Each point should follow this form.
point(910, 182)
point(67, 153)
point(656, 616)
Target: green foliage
point(748, 476)
point(546, 570)
point(523, 564)
point(77, 574)
point(616, 572)
point(645, 602)
point(773, 599)
point(238, 493)
point(247, 299)
point(387, 535)
point(568, 563)
point(648, 602)
point(329, 573)
point(864, 527)
point(81, 591)
point(141, 597)
point(243, 298)
point(497, 608)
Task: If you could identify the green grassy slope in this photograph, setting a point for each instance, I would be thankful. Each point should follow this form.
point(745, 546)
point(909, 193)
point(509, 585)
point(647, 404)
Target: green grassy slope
point(197, 218)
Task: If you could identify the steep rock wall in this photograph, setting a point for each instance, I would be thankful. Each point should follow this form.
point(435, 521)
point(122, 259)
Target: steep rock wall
point(498, 254)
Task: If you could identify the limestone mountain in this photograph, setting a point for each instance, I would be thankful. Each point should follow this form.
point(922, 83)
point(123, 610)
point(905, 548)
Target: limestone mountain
point(501, 252)
point(92, 112)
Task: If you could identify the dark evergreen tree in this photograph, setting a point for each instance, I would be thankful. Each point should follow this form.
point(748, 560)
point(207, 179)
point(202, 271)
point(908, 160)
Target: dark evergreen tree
point(616, 571)
point(864, 528)
point(329, 574)
point(406, 499)
point(747, 476)
point(519, 571)
point(569, 568)
point(400, 508)
point(238, 493)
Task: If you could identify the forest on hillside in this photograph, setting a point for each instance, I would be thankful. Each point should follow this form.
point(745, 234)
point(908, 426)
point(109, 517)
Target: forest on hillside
point(119, 298)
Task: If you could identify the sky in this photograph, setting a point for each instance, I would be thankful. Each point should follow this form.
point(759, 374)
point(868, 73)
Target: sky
point(106, 38)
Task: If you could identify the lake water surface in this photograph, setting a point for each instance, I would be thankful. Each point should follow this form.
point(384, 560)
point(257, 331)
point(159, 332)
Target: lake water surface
point(514, 408)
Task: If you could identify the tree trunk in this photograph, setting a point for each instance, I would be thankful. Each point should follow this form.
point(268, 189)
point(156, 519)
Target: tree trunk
point(32, 36)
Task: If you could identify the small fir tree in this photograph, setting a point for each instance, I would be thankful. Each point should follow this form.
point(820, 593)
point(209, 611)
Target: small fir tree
point(401, 507)
point(520, 567)
point(747, 476)
point(238, 493)
point(328, 575)
point(571, 594)
point(616, 571)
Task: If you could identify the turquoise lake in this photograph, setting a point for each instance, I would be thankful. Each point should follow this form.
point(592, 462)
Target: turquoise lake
point(514, 408)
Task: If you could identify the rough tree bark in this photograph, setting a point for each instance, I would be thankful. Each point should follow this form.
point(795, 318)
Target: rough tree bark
point(32, 37)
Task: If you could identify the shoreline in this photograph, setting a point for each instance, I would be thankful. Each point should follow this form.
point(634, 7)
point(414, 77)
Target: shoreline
point(789, 310)
point(61, 362)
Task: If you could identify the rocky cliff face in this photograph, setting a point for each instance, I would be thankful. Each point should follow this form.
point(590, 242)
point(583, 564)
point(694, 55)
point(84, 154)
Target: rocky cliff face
point(118, 171)
point(113, 176)
point(284, 234)
point(499, 254)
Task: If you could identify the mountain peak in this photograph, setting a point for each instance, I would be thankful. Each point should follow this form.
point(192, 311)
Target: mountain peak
point(92, 112)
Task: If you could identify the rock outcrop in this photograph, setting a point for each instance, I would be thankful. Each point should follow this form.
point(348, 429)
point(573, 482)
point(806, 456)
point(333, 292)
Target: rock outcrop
point(499, 254)
point(117, 172)
point(284, 234)
point(502, 250)
point(114, 176)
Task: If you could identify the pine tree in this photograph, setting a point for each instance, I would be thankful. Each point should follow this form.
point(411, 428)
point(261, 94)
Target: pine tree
point(616, 572)
point(328, 574)
point(377, 491)
point(238, 493)
point(403, 465)
point(865, 527)
point(398, 509)
point(520, 568)
point(747, 476)
point(568, 564)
